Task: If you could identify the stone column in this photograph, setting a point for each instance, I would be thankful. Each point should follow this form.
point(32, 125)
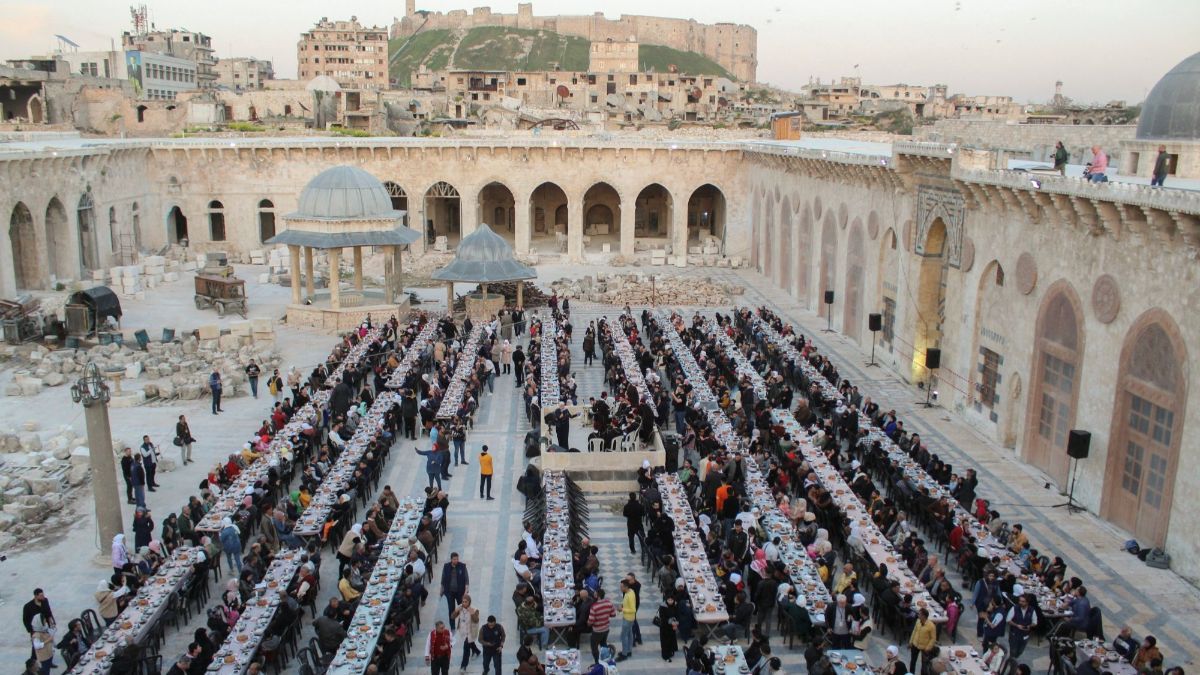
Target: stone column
point(358, 275)
point(679, 231)
point(294, 263)
point(450, 297)
point(522, 234)
point(628, 238)
point(105, 494)
point(335, 295)
point(575, 229)
point(309, 284)
point(520, 295)
point(389, 274)
point(468, 207)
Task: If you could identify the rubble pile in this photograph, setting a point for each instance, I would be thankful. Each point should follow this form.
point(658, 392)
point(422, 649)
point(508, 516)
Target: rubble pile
point(132, 281)
point(38, 470)
point(178, 369)
point(641, 289)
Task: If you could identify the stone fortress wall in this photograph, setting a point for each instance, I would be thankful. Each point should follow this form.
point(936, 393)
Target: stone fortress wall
point(1035, 295)
point(734, 46)
point(1032, 141)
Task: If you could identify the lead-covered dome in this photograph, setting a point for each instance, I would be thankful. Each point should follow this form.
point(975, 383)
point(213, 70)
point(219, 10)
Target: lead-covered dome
point(484, 257)
point(1172, 110)
point(344, 192)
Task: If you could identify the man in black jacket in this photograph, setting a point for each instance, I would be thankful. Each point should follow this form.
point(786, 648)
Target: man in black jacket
point(634, 514)
point(127, 473)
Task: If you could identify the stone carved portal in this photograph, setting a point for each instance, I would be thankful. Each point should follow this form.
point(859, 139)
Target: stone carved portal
point(947, 205)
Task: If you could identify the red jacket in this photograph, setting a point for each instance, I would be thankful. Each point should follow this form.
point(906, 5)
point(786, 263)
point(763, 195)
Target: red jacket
point(438, 644)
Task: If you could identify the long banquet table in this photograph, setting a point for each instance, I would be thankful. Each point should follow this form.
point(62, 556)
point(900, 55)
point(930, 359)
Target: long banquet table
point(368, 621)
point(707, 603)
point(413, 354)
point(234, 656)
point(462, 372)
point(558, 581)
point(628, 360)
point(548, 393)
point(133, 626)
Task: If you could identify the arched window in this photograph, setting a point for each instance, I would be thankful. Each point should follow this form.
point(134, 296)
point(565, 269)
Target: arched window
point(266, 220)
point(1149, 411)
point(216, 221)
point(1058, 345)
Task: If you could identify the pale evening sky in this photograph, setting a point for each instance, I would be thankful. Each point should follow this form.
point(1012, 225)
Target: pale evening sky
point(1100, 49)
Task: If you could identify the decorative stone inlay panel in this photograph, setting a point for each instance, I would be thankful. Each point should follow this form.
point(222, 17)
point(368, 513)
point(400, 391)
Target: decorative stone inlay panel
point(968, 254)
point(934, 203)
point(1027, 273)
point(1106, 299)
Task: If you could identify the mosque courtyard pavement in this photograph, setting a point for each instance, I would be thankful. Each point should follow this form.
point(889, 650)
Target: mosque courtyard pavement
point(486, 532)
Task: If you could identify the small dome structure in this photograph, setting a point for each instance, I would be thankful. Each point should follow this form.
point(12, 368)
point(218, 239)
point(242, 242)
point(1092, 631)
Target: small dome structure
point(345, 193)
point(484, 257)
point(1172, 110)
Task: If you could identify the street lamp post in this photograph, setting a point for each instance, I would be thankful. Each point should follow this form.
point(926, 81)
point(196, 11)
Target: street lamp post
point(92, 392)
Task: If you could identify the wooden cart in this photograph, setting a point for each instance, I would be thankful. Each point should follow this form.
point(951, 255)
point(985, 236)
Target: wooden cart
point(227, 294)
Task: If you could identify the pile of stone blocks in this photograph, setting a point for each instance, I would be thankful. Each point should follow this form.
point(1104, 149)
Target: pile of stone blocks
point(132, 281)
point(171, 370)
point(639, 289)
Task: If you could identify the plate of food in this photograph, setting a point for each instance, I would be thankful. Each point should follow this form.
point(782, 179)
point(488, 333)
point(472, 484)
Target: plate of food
point(229, 658)
point(960, 654)
point(561, 662)
point(851, 666)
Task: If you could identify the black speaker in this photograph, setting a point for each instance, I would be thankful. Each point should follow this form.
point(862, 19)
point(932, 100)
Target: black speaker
point(1078, 443)
point(829, 297)
point(933, 358)
point(875, 322)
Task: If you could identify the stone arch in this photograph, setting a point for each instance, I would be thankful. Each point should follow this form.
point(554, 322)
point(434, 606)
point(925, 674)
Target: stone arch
point(855, 276)
point(931, 298)
point(989, 343)
point(803, 257)
point(548, 214)
point(497, 207)
point(216, 221)
point(397, 194)
point(787, 255)
point(59, 248)
point(755, 228)
point(772, 256)
point(602, 216)
point(887, 289)
point(266, 220)
point(1054, 380)
point(36, 109)
point(1147, 427)
point(706, 213)
point(443, 214)
point(177, 226)
point(28, 267)
point(652, 213)
point(828, 262)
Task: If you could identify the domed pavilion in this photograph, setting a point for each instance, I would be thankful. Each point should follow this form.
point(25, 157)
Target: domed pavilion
point(343, 207)
point(1170, 118)
point(484, 257)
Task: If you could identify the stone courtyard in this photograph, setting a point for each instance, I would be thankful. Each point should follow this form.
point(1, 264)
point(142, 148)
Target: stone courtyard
point(57, 553)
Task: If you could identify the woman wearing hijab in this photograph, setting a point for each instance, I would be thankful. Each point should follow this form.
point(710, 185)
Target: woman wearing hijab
point(506, 360)
point(231, 544)
point(667, 621)
point(120, 554)
point(107, 600)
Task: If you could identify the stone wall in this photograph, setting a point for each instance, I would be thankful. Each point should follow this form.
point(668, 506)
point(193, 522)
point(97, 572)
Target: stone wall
point(1033, 141)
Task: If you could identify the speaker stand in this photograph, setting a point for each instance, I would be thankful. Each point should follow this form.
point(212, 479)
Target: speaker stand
point(828, 320)
point(872, 363)
point(928, 402)
point(1070, 504)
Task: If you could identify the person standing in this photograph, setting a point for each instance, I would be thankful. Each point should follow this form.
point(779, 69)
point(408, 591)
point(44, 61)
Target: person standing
point(466, 630)
point(252, 373)
point(628, 616)
point(127, 462)
point(1021, 621)
point(589, 345)
point(922, 639)
point(36, 614)
point(149, 456)
point(458, 437)
point(599, 619)
point(408, 411)
point(634, 516)
point(184, 439)
point(1061, 156)
point(491, 636)
point(433, 466)
point(231, 544)
point(214, 387)
point(143, 528)
point(561, 420)
point(485, 473)
point(437, 649)
point(456, 582)
point(1161, 164)
point(137, 477)
point(518, 359)
point(275, 386)
point(506, 353)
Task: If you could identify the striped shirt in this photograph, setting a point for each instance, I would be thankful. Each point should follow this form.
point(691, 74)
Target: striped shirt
point(601, 615)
